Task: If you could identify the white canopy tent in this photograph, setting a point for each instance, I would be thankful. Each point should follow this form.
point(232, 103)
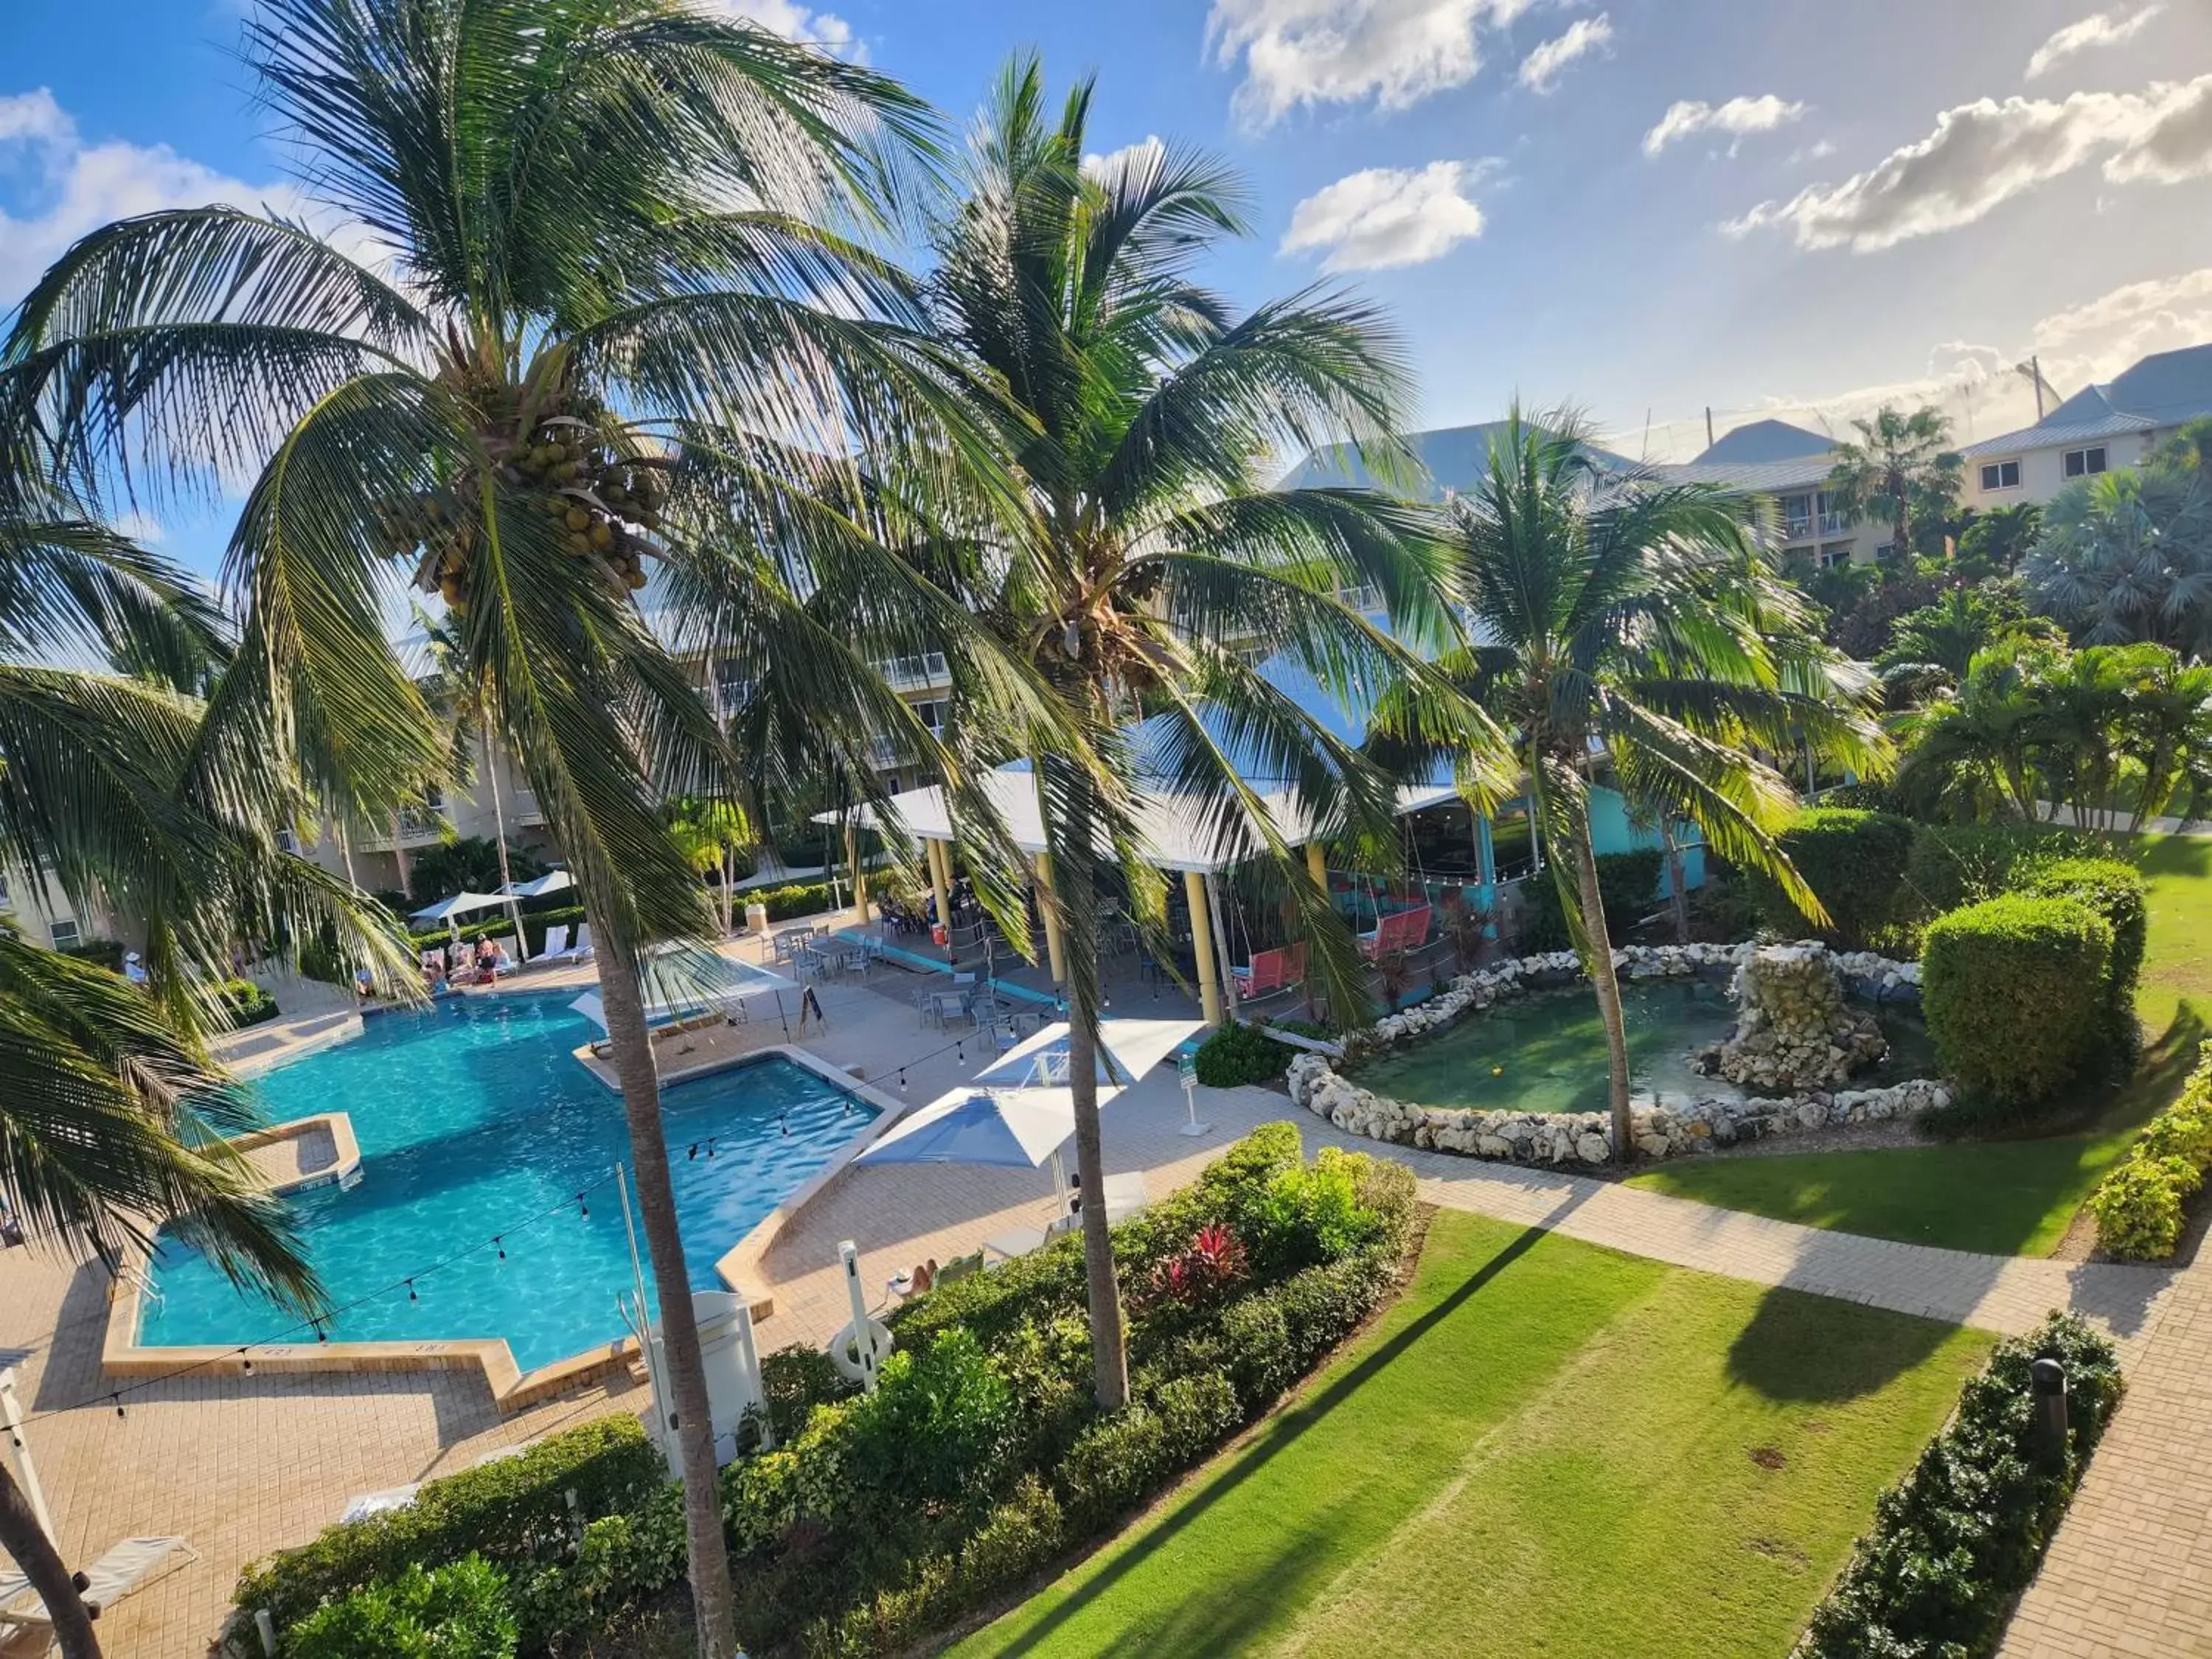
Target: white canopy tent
point(451, 910)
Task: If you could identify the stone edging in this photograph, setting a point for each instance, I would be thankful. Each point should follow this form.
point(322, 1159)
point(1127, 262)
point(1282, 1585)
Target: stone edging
point(1587, 1137)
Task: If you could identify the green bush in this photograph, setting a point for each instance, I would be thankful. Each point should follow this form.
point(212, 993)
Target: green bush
point(514, 1512)
point(456, 1612)
point(2017, 995)
point(800, 898)
point(2117, 892)
point(620, 1561)
point(108, 952)
point(1855, 863)
point(245, 1003)
point(1952, 865)
point(2138, 1207)
point(797, 1379)
point(1236, 1055)
point(1627, 886)
point(1960, 1536)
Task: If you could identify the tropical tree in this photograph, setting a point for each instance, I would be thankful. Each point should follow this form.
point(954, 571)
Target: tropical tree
point(613, 315)
point(711, 832)
point(1973, 753)
point(1992, 542)
point(1146, 565)
point(1623, 624)
point(113, 1120)
point(458, 698)
point(1932, 648)
point(2126, 556)
point(1900, 470)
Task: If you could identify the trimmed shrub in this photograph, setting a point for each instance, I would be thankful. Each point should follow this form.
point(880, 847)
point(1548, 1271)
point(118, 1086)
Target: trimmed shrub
point(246, 1003)
point(458, 1612)
point(108, 952)
point(2117, 892)
point(1952, 865)
point(2138, 1207)
point(1855, 863)
point(514, 1513)
point(805, 898)
point(1962, 1533)
point(1238, 1054)
point(2017, 993)
point(1627, 886)
point(795, 1380)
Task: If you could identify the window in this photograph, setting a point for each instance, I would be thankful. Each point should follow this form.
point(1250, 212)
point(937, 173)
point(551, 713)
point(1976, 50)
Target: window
point(66, 933)
point(1834, 553)
point(2085, 463)
point(1832, 517)
point(932, 711)
point(287, 842)
point(2003, 475)
point(1796, 517)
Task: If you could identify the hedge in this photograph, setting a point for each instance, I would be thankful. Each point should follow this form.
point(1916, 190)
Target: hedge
point(1957, 864)
point(514, 1512)
point(1960, 1536)
point(2139, 1205)
point(2017, 993)
point(1855, 863)
point(246, 1003)
point(460, 1612)
point(108, 952)
point(1238, 1053)
point(980, 1459)
point(1627, 886)
point(2117, 892)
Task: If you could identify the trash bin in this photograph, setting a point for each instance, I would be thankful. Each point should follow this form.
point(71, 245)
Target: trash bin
point(757, 917)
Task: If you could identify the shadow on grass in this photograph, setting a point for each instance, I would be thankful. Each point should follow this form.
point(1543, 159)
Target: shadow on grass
point(1804, 1348)
point(1229, 1619)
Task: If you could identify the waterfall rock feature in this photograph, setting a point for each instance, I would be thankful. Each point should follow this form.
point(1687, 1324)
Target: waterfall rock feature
point(1796, 1032)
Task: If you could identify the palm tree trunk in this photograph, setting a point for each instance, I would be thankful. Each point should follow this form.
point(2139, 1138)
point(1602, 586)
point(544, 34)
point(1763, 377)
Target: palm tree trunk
point(1600, 964)
point(399, 851)
point(631, 1050)
point(26, 1543)
point(498, 814)
point(1678, 891)
point(1109, 1357)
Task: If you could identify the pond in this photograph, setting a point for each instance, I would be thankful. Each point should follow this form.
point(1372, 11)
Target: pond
point(1546, 1052)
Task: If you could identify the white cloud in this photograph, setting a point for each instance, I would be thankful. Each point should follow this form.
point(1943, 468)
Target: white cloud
point(2095, 340)
point(1737, 117)
point(141, 527)
point(794, 22)
point(1395, 53)
point(2099, 28)
point(1541, 68)
point(1385, 216)
point(84, 186)
point(1147, 149)
point(1983, 153)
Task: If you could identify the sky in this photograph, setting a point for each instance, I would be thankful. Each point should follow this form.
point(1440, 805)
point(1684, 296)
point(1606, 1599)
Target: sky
point(1642, 208)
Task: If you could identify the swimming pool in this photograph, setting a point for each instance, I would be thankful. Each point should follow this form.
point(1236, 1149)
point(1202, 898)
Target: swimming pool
point(473, 1118)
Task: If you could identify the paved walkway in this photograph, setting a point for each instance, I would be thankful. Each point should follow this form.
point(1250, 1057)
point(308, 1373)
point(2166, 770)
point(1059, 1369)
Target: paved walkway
point(2130, 1571)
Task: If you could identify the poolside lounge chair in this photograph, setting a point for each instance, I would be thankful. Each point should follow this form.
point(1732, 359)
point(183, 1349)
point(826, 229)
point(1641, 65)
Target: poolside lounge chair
point(556, 942)
point(126, 1568)
point(581, 951)
point(507, 962)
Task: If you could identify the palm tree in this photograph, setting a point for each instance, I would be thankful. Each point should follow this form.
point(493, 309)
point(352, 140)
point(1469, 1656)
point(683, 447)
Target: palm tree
point(1932, 646)
point(1618, 622)
point(710, 832)
point(615, 316)
point(1899, 470)
point(461, 699)
point(1145, 564)
point(113, 1121)
point(1975, 753)
point(2127, 556)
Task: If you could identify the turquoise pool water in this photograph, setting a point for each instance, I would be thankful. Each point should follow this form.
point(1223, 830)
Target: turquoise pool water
point(473, 1118)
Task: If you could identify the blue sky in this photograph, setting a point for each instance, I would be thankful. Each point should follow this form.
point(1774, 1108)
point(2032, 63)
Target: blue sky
point(1645, 206)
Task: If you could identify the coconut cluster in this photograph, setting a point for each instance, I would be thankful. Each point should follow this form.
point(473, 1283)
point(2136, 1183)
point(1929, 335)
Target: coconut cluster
point(604, 502)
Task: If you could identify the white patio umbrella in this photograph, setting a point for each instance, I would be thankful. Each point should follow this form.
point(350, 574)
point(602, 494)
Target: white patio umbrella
point(450, 910)
point(553, 881)
point(674, 979)
point(998, 1128)
point(1128, 1048)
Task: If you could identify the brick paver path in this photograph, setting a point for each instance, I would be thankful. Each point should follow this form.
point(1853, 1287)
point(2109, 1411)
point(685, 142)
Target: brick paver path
point(2130, 1571)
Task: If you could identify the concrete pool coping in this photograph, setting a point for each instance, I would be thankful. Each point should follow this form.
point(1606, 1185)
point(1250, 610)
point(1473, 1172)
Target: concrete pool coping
point(512, 1388)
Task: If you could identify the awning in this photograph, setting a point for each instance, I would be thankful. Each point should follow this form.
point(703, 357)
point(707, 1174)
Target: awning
point(553, 881)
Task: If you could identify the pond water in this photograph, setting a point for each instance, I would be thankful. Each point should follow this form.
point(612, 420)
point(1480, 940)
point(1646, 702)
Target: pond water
point(1546, 1052)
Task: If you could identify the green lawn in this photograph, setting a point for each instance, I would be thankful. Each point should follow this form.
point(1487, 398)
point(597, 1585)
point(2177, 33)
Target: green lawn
point(2014, 1197)
point(1544, 1447)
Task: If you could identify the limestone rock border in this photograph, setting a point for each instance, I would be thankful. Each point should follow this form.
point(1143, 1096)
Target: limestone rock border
point(1566, 1138)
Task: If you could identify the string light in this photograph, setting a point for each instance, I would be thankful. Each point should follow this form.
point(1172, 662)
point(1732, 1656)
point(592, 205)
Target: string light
point(411, 1295)
point(502, 1248)
point(693, 1153)
point(583, 1210)
point(118, 1400)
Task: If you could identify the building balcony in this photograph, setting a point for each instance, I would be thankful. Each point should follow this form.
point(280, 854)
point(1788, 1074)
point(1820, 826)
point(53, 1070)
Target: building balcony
point(1797, 529)
point(1833, 524)
point(921, 673)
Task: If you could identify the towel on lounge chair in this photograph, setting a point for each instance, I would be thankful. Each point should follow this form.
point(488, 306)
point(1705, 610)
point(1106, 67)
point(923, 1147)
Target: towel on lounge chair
point(126, 1568)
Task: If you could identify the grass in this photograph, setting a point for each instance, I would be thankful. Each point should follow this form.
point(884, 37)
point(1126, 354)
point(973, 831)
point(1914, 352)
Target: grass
point(1544, 1447)
point(2012, 1197)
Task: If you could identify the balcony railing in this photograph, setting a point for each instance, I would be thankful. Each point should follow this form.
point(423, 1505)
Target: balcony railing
point(1796, 529)
point(915, 673)
point(1832, 524)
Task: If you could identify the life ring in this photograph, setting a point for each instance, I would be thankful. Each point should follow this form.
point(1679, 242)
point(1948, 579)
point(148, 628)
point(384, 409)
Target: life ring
point(845, 1351)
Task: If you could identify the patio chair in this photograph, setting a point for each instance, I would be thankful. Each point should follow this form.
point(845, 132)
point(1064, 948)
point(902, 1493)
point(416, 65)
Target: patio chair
point(1271, 971)
point(507, 962)
point(581, 951)
point(556, 943)
point(126, 1568)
